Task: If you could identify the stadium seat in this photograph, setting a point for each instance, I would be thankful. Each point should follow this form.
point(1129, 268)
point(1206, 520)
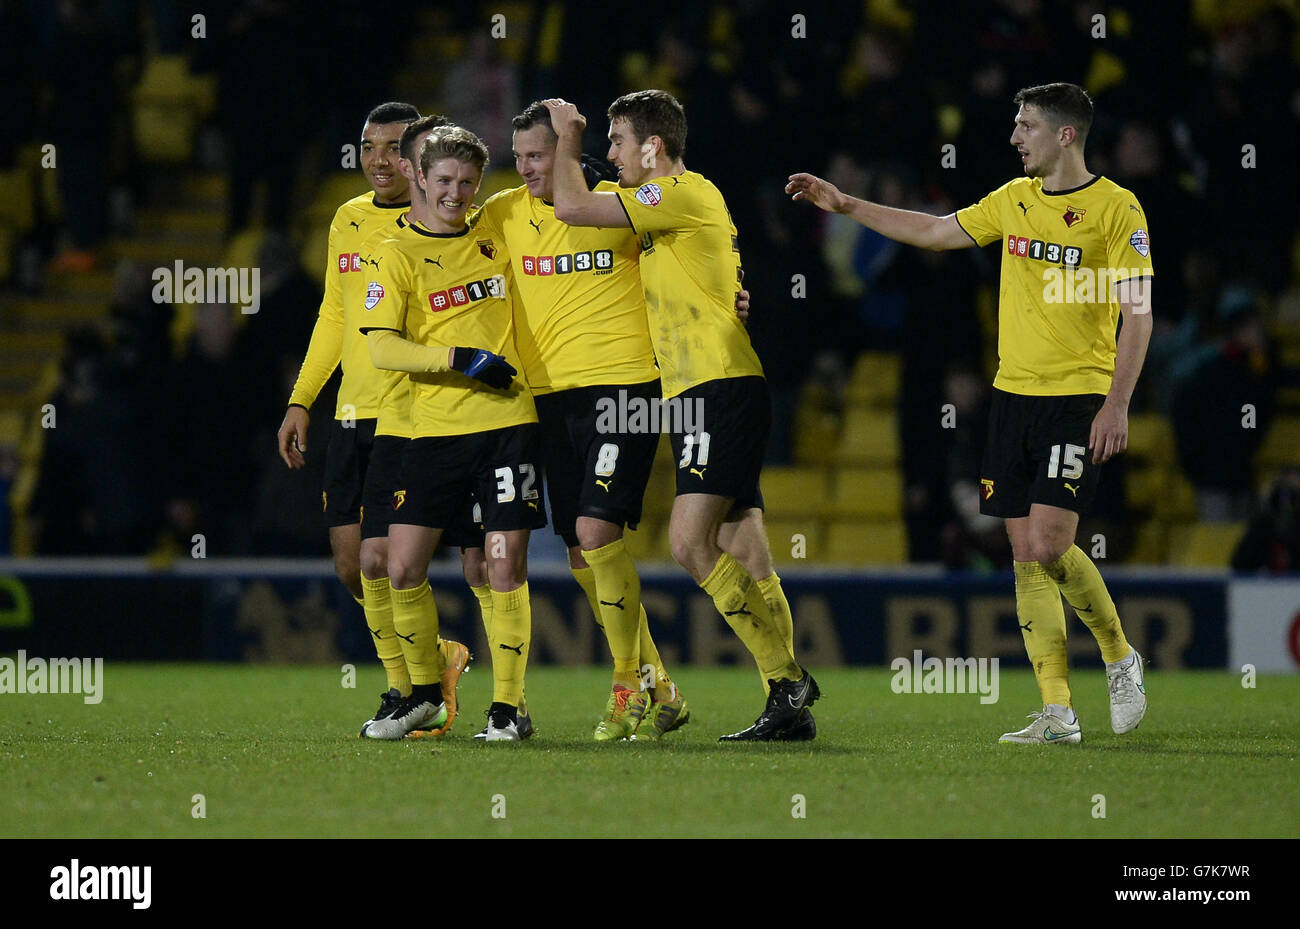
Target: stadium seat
point(18, 205)
point(815, 432)
point(1282, 444)
point(1204, 545)
point(1144, 486)
point(1151, 545)
point(870, 437)
point(1150, 438)
point(794, 491)
point(781, 535)
point(870, 493)
point(883, 543)
point(874, 381)
point(1176, 501)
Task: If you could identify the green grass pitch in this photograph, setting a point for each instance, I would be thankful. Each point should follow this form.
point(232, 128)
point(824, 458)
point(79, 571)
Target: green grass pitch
point(274, 752)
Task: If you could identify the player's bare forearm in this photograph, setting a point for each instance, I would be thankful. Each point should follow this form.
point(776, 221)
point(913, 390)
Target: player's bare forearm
point(923, 230)
point(1130, 354)
point(908, 226)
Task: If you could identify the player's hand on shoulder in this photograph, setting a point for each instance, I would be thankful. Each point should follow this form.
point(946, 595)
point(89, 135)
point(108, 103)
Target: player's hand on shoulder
point(1109, 434)
point(292, 437)
point(565, 116)
point(482, 365)
point(815, 190)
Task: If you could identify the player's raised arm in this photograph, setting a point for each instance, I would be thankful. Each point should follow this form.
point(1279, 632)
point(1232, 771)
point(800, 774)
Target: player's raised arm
point(574, 203)
point(937, 233)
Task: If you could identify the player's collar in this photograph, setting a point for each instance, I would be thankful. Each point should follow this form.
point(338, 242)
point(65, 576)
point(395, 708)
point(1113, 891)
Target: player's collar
point(416, 227)
point(1072, 190)
point(374, 201)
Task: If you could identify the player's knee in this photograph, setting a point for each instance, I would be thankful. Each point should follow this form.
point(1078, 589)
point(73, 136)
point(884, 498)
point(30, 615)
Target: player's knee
point(596, 533)
point(474, 565)
point(576, 561)
point(347, 567)
point(404, 574)
point(374, 562)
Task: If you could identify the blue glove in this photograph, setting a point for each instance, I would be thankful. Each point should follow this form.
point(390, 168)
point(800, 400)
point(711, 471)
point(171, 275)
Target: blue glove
point(484, 366)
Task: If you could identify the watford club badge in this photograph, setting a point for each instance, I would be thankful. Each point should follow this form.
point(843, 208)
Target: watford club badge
point(1072, 215)
point(986, 487)
point(487, 248)
point(399, 497)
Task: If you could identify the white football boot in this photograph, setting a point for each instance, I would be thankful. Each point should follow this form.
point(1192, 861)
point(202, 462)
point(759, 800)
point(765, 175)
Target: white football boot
point(1046, 729)
point(1128, 693)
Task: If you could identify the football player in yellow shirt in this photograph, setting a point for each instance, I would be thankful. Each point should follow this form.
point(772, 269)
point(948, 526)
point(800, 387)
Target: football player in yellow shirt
point(718, 405)
point(334, 342)
point(438, 306)
point(1076, 257)
point(581, 333)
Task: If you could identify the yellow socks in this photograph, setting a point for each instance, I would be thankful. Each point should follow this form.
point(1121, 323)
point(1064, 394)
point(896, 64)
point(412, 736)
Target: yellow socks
point(378, 607)
point(484, 596)
point(650, 658)
point(779, 607)
point(512, 621)
point(1042, 623)
point(618, 595)
point(1082, 585)
point(415, 622)
point(586, 579)
point(736, 596)
point(648, 652)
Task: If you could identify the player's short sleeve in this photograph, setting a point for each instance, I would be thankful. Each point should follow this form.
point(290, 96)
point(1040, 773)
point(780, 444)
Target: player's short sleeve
point(982, 220)
point(1128, 244)
point(388, 283)
point(662, 206)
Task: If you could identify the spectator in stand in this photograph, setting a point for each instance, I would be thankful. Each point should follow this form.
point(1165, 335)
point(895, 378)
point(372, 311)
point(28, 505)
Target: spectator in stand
point(1272, 540)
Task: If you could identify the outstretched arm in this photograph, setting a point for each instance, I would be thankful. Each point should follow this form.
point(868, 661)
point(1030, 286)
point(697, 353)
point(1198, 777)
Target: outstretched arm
point(937, 233)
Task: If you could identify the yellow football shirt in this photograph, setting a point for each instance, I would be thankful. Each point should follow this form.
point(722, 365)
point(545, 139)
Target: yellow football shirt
point(580, 320)
point(1063, 253)
point(449, 289)
point(336, 339)
point(394, 418)
point(690, 274)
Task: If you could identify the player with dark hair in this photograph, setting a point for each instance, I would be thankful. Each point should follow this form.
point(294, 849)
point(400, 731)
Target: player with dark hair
point(582, 338)
point(690, 273)
point(437, 292)
point(1076, 259)
point(335, 341)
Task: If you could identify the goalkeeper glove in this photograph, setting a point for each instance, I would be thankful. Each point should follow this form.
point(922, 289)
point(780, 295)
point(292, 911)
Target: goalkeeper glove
point(596, 170)
point(484, 366)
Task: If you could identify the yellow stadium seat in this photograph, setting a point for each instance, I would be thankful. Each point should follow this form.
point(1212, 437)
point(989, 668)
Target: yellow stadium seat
point(883, 543)
point(794, 491)
point(806, 536)
point(815, 433)
point(1204, 545)
point(1282, 444)
point(1176, 501)
point(870, 437)
point(1144, 487)
point(866, 493)
point(1152, 543)
point(18, 205)
point(874, 381)
point(1150, 438)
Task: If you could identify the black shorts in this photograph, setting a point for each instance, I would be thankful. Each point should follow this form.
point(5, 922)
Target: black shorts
point(598, 448)
point(719, 431)
point(346, 460)
point(498, 468)
point(1037, 452)
point(384, 479)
